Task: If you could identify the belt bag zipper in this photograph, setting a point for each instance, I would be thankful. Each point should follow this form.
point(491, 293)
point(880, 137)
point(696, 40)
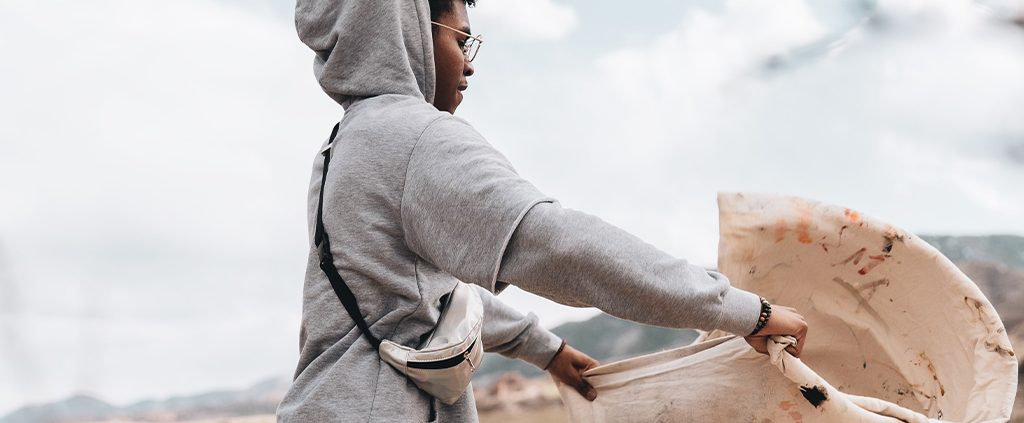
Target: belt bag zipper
point(446, 363)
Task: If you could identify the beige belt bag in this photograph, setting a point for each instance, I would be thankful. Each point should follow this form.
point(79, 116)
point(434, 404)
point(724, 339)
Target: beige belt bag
point(446, 363)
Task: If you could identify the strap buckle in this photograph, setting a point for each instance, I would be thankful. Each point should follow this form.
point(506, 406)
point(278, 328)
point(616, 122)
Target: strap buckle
point(327, 148)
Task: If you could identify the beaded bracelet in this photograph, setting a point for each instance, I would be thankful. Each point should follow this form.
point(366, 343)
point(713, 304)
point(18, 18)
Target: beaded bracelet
point(762, 320)
point(560, 348)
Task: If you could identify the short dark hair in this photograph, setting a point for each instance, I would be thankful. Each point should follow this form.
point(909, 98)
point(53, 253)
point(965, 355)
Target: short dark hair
point(439, 8)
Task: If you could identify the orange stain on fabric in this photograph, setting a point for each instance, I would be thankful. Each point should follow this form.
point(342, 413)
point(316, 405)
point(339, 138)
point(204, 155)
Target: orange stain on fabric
point(853, 215)
point(780, 230)
point(803, 231)
point(803, 225)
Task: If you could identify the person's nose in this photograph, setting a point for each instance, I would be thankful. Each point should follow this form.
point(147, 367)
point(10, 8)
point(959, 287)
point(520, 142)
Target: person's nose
point(468, 69)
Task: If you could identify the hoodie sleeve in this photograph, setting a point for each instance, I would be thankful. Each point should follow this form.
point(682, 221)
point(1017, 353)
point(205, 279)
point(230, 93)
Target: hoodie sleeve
point(577, 259)
point(462, 201)
point(513, 335)
point(461, 208)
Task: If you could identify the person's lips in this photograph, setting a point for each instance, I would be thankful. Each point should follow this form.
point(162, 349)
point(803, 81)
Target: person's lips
point(463, 87)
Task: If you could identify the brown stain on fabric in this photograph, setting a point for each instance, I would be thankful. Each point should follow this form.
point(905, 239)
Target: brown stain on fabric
point(871, 287)
point(999, 349)
point(785, 405)
point(934, 373)
point(977, 310)
point(855, 258)
point(980, 314)
point(839, 242)
point(875, 261)
point(894, 234)
point(862, 303)
point(976, 307)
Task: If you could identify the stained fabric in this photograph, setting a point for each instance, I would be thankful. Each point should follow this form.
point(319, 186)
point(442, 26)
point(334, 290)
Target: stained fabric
point(897, 332)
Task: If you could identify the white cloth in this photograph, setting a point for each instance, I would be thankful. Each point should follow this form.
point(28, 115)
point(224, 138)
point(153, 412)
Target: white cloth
point(897, 332)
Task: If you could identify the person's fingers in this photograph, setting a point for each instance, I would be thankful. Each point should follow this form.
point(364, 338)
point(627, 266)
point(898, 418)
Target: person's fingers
point(585, 363)
point(579, 359)
point(584, 388)
point(793, 350)
point(796, 348)
point(569, 366)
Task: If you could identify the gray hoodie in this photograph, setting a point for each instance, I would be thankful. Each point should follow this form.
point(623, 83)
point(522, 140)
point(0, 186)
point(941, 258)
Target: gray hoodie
point(416, 200)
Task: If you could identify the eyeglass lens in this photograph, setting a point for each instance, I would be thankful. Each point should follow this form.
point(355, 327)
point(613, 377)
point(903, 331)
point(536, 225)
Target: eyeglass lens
point(470, 49)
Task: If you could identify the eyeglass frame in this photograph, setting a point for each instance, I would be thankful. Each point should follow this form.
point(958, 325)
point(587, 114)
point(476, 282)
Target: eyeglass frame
point(477, 41)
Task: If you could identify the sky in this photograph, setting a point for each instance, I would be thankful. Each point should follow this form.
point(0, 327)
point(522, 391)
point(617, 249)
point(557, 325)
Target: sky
point(154, 155)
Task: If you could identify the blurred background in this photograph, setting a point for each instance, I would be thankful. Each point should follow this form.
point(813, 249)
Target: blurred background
point(154, 158)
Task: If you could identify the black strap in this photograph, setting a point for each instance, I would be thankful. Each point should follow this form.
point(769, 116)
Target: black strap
point(323, 243)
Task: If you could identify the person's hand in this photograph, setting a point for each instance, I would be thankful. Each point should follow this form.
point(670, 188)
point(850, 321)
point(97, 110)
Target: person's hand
point(783, 321)
point(568, 367)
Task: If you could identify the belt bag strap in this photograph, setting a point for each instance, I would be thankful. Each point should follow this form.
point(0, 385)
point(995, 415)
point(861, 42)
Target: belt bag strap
point(323, 244)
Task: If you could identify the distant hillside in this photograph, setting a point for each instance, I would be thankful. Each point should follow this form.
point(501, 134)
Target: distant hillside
point(1005, 249)
point(76, 408)
point(261, 398)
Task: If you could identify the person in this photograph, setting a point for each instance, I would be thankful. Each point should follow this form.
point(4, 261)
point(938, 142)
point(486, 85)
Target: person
point(415, 199)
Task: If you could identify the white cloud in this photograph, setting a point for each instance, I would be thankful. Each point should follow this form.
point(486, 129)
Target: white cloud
point(708, 51)
point(647, 134)
point(981, 180)
point(902, 119)
point(156, 156)
point(527, 19)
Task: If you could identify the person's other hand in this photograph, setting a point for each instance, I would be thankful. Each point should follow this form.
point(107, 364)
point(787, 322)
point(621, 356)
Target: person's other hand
point(783, 321)
point(568, 367)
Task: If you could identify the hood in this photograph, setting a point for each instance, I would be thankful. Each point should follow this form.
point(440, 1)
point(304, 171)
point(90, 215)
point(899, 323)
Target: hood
point(366, 48)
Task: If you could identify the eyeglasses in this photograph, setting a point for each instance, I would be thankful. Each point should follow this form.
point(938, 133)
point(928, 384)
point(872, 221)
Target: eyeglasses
point(472, 44)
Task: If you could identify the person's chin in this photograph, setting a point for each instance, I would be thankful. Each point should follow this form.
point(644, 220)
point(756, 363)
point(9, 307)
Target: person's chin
point(456, 101)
